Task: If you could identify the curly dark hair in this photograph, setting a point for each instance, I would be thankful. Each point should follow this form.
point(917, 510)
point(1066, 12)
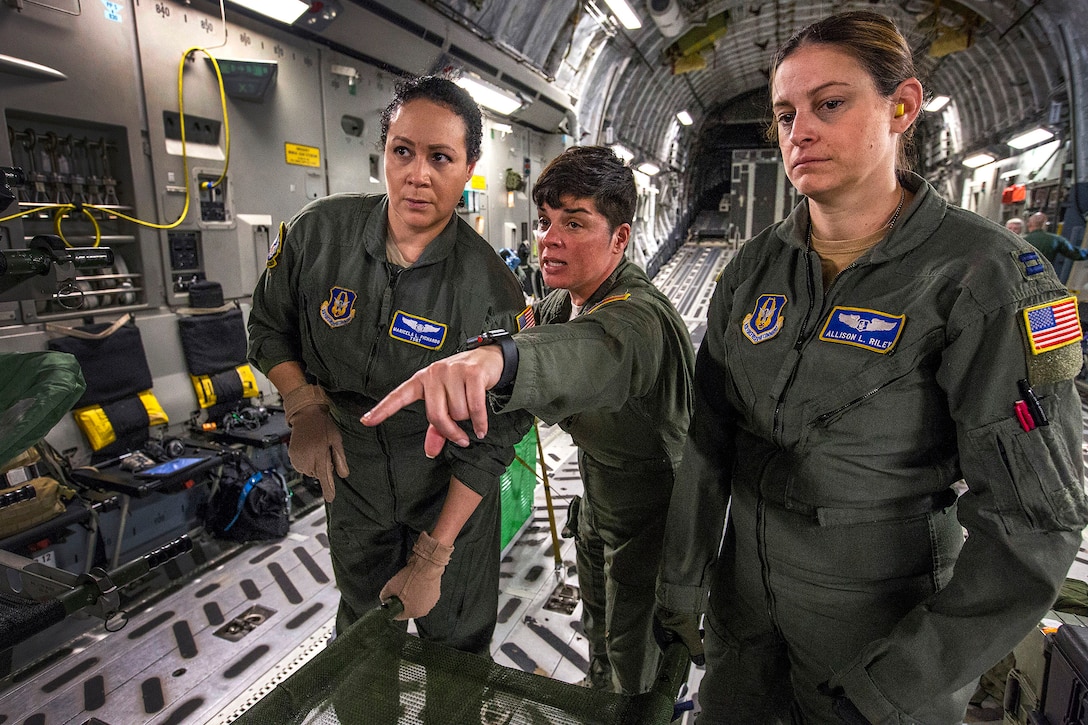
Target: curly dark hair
point(590, 172)
point(443, 91)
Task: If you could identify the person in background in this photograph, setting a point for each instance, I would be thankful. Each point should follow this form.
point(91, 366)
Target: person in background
point(861, 358)
point(611, 361)
point(1051, 245)
point(359, 292)
point(1015, 225)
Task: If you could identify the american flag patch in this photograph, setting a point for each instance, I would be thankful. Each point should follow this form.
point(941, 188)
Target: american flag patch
point(1052, 325)
point(526, 318)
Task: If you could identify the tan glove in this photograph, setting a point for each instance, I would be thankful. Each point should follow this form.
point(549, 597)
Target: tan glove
point(316, 447)
point(669, 625)
point(418, 585)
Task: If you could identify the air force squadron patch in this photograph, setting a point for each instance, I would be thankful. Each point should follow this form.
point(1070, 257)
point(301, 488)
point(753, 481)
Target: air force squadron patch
point(869, 329)
point(339, 309)
point(766, 321)
point(417, 330)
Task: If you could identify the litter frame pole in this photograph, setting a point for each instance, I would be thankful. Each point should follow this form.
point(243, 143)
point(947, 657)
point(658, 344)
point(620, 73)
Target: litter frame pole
point(557, 555)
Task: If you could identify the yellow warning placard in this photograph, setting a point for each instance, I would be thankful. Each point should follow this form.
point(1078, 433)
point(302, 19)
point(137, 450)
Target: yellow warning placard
point(299, 155)
point(478, 182)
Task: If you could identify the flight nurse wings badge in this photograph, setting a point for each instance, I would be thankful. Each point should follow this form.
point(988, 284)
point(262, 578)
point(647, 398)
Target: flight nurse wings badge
point(765, 321)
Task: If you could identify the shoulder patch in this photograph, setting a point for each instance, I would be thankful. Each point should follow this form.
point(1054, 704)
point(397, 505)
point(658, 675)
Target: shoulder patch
point(608, 300)
point(1052, 325)
point(276, 247)
point(526, 318)
point(417, 330)
point(860, 327)
point(1030, 263)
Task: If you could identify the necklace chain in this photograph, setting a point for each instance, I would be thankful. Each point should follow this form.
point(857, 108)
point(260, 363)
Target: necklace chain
point(899, 208)
point(888, 225)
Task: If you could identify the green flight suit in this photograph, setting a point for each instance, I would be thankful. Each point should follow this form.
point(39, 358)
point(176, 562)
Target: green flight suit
point(834, 424)
point(618, 379)
point(1051, 245)
point(360, 326)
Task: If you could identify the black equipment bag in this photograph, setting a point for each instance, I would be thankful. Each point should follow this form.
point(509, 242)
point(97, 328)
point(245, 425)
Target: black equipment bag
point(114, 367)
point(213, 343)
point(205, 293)
point(253, 508)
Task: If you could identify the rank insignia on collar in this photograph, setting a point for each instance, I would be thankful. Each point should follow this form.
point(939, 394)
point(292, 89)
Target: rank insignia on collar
point(276, 247)
point(868, 329)
point(417, 330)
point(339, 309)
point(765, 321)
point(608, 300)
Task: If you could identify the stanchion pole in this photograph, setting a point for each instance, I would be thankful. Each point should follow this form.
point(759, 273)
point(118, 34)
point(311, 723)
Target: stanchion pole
point(548, 498)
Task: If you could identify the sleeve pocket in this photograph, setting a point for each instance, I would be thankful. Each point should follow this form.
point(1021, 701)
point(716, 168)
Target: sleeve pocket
point(1029, 477)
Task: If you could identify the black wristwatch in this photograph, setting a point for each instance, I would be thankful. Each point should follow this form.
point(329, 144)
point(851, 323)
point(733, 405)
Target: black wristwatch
point(503, 339)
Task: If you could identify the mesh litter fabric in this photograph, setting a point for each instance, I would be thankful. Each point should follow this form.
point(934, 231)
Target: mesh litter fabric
point(376, 673)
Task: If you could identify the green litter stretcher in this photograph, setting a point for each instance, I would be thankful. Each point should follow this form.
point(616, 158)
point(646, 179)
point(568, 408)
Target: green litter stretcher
point(378, 674)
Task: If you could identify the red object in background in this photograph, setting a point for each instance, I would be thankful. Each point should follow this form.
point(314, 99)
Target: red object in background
point(1013, 194)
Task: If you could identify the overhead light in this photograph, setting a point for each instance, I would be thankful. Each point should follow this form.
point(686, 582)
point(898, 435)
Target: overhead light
point(623, 152)
point(649, 168)
point(603, 21)
point(624, 14)
point(685, 118)
point(1034, 137)
point(980, 159)
point(285, 11)
point(937, 103)
point(490, 96)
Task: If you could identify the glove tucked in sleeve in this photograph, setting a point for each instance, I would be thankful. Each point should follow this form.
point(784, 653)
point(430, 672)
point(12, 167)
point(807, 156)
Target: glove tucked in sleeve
point(418, 585)
point(316, 448)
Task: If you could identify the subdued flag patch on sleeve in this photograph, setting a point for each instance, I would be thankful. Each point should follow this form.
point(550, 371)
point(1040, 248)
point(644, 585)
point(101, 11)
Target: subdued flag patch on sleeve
point(526, 318)
point(1052, 325)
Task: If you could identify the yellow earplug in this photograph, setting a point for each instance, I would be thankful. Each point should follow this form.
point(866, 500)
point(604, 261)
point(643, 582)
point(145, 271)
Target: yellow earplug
point(899, 110)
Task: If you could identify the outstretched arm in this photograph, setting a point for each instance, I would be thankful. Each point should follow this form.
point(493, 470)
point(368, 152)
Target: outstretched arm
point(1066, 249)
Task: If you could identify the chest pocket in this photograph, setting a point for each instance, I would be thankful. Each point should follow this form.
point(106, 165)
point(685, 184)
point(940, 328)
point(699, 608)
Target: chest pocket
point(333, 350)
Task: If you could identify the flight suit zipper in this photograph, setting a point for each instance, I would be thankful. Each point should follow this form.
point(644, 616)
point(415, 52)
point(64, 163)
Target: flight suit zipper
point(393, 273)
point(824, 417)
point(761, 549)
point(776, 429)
